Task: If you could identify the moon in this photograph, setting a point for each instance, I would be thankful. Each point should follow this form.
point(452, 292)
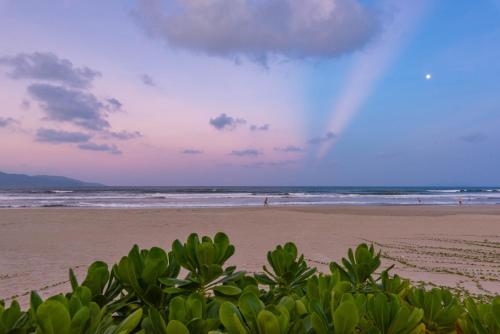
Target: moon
point(428, 76)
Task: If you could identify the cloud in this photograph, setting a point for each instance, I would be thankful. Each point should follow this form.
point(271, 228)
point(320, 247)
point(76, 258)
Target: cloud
point(258, 29)
point(67, 105)
point(113, 104)
point(279, 163)
point(6, 121)
point(225, 122)
point(473, 138)
point(329, 136)
point(123, 135)
point(100, 148)
point(264, 127)
point(25, 104)
point(62, 93)
point(250, 152)
point(48, 67)
point(58, 137)
point(289, 149)
point(192, 151)
point(147, 80)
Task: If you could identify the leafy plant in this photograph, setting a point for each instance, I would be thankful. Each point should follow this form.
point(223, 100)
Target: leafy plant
point(441, 309)
point(289, 272)
point(140, 273)
point(387, 314)
point(195, 313)
point(143, 294)
point(394, 284)
point(12, 319)
point(251, 316)
point(481, 318)
point(205, 261)
point(103, 285)
point(359, 266)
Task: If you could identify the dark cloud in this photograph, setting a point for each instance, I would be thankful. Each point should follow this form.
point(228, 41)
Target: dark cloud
point(250, 152)
point(113, 104)
point(225, 122)
point(61, 91)
point(279, 163)
point(67, 105)
point(289, 149)
point(48, 67)
point(474, 138)
point(192, 151)
point(147, 80)
point(6, 121)
point(259, 29)
point(264, 127)
point(123, 135)
point(25, 104)
point(100, 148)
point(323, 139)
point(59, 137)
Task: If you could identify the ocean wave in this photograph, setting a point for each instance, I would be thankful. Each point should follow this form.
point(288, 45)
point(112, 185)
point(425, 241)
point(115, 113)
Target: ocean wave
point(161, 197)
point(445, 190)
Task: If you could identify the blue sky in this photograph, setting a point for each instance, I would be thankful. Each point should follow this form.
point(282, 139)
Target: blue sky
point(153, 92)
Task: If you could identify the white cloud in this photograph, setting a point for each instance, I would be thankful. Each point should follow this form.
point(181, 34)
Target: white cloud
point(292, 29)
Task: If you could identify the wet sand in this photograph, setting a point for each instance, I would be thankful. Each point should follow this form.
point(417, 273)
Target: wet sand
point(457, 247)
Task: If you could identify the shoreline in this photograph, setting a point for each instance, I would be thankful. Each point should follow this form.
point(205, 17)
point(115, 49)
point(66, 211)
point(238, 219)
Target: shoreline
point(493, 209)
point(454, 246)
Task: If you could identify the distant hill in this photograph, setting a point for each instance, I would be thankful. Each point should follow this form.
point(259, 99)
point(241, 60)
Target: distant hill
point(41, 181)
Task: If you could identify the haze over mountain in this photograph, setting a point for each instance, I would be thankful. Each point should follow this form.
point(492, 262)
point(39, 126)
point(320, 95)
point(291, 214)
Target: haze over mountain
point(41, 181)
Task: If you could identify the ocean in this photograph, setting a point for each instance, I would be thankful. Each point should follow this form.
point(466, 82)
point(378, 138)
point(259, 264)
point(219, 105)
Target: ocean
point(204, 197)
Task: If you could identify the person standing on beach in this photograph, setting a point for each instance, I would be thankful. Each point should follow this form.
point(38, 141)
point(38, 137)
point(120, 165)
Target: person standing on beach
point(266, 201)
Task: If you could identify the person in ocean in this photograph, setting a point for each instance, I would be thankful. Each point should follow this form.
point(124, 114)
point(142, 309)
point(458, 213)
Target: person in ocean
point(266, 201)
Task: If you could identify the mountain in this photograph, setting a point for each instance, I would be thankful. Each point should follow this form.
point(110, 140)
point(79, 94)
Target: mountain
point(41, 181)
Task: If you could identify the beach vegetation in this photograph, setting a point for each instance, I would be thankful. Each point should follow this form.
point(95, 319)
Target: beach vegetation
point(189, 288)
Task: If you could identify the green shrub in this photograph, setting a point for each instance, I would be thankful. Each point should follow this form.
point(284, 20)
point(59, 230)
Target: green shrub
point(144, 294)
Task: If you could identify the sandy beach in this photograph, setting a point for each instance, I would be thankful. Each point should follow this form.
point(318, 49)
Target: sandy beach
point(457, 247)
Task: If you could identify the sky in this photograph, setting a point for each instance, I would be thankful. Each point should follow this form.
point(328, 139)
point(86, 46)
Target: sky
point(252, 92)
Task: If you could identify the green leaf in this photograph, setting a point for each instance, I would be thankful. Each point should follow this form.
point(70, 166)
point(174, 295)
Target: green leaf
point(250, 306)
point(53, 317)
point(10, 315)
point(155, 264)
point(35, 300)
point(318, 324)
point(221, 245)
point(79, 320)
point(177, 309)
point(228, 290)
point(288, 302)
point(130, 322)
point(345, 318)
point(73, 280)
point(97, 277)
point(196, 305)
point(157, 322)
point(268, 323)
point(176, 327)
point(231, 319)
